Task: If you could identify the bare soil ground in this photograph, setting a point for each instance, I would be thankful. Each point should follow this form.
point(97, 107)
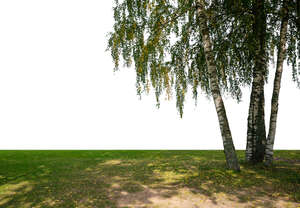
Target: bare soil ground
point(186, 198)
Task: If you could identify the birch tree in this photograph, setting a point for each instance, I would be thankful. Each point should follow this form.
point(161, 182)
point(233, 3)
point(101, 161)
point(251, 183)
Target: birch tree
point(267, 16)
point(287, 14)
point(277, 83)
point(229, 150)
point(256, 132)
point(171, 47)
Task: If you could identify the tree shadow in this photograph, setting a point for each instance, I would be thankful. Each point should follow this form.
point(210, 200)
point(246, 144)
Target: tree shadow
point(255, 185)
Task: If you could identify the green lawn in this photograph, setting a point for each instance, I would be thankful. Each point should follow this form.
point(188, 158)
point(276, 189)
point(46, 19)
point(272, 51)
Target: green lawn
point(145, 179)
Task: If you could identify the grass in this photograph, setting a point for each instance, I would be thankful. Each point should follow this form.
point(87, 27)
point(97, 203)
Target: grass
point(144, 179)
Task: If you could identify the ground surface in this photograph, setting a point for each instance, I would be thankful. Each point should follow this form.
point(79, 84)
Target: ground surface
point(183, 179)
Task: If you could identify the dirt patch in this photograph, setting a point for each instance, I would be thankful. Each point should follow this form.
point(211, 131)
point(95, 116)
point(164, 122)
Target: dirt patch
point(188, 198)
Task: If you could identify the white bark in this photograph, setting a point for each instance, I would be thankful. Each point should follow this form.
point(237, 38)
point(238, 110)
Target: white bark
point(276, 87)
point(230, 154)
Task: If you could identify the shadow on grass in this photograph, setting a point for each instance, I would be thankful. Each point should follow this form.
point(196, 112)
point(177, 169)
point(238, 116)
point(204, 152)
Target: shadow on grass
point(143, 179)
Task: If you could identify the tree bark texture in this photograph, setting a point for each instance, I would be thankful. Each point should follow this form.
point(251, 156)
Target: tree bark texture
point(276, 87)
point(256, 132)
point(229, 150)
point(298, 14)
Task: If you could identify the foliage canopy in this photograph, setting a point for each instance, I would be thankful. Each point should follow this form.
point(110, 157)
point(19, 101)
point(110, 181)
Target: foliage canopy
point(163, 40)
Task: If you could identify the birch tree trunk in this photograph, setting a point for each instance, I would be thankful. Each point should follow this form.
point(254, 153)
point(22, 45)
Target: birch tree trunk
point(256, 132)
point(230, 154)
point(276, 87)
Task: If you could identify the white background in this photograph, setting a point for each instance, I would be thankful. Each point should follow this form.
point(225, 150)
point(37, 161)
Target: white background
point(58, 89)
